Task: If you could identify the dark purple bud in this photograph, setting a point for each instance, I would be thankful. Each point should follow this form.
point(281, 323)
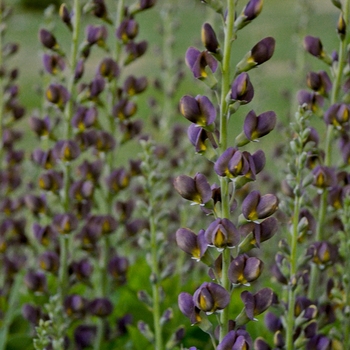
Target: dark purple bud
point(261, 344)
point(41, 127)
point(256, 127)
point(82, 269)
point(263, 50)
point(57, 94)
point(256, 207)
point(146, 4)
point(96, 87)
point(47, 39)
point(84, 336)
point(81, 190)
point(100, 307)
point(53, 64)
point(35, 281)
point(319, 342)
point(65, 223)
point(242, 89)
point(66, 150)
point(209, 38)
point(104, 141)
point(32, 313)
point(319, 82)
point(236, 340)
point(36, 204)
point(44, 234)
point(211, 297)
point(341, 26)
point(198, 110)
point(244, 269)
point(197, 61)
point(197, 137)
point(337, 114)
point(324, 177)
point(99, 9)
point(79, 70)
point(322, 253)
point(259, 302)
point(89, 235)
point(222, 233)
point(273, 322)
point(90, 171)
point(51, 181)
point(127, 30)
point(45, 159)
point(65, 15)
point(187, 307)
point(84, 118)
point(118, 180)
point(96, 35)
point(106, 223)
point(314, 46)
point(133, 86)
point(312, 100)
point(124, 109)
point(192, 244)
point(252, 9)
point(49, 261)
point(75, 305)
point(108, 68)
point(135, 50)
point(117, 268)
point(196, 190)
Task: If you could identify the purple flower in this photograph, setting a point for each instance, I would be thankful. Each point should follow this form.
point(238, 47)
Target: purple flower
point(222, 233)
point(256, 127)
point(242, 89)
point(192, 244)
point(209, 38)
point(198, 110)
point(197, 61)
point(195, 189)
point(236, 340)
point(211, 297)
point(244, 269)
point(256, 207)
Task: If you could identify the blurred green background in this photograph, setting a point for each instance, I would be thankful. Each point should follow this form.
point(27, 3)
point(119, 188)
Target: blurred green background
point(272, 80)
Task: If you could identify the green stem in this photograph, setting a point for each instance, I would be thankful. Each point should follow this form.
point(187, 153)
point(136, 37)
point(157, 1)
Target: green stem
point(73, 64)
point(293, 270)
point(155, 281)
point(64, 240)
point(225, 209)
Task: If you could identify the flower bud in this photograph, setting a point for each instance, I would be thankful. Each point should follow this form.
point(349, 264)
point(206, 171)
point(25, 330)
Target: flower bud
point(198, 110)
point(242, 89)
point(211, 297)
point(47, 39)
point(196, 190)
point(209, 38)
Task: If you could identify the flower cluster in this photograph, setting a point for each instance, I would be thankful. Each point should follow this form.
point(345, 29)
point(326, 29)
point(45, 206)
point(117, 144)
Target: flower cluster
point(225, 245)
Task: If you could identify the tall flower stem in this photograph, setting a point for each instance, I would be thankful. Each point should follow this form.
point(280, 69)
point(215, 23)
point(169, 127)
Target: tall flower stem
point(64, 241)
point(293, 243)
point(328, 151)
point(224, 114)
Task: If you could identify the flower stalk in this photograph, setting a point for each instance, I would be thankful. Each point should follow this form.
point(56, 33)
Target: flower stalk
point(224, 117)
